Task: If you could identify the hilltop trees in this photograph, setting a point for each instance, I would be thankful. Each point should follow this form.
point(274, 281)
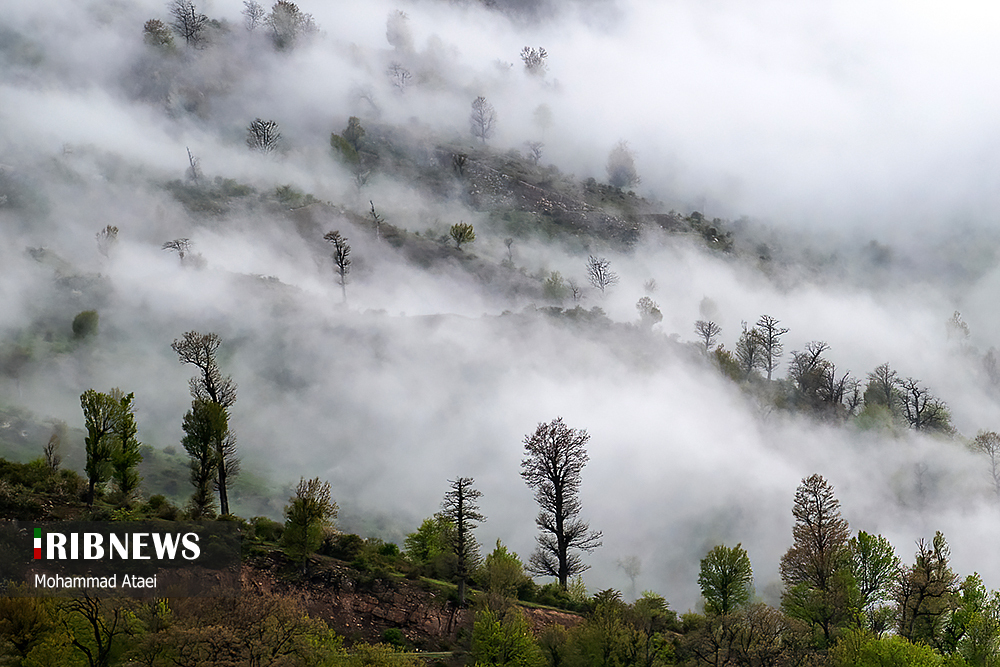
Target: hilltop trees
point(188, 23)
point(211, 386)
point(555, 457)
point(460, 508)
point(288, 24)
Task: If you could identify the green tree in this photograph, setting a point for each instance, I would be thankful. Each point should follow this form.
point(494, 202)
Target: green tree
point(426, 544)
point(125, 456)
point(205, 427)
point(462, 233)
point(726, 579)
point(814, 569)
point(310, 510)
point(85, 324)
point(503, 638)
point(749, 350)
point(876, 570)
point(927, 593)
point(554, 461)
point(100, 412)
point(859, 648)
point(501, 575)
point(354, 133)
point(26, 621)
point(461, 510)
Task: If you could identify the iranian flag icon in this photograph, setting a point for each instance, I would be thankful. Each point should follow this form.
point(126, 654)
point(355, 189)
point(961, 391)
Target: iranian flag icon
point(38, 543)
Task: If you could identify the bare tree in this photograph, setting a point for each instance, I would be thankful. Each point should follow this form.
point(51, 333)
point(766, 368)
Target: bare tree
point(483, 119)
point(399, 76)
point(555, 457)
point(632, 567)
point(107, 239)
point(534, 151)
point(460, 508)
point(188, 23)
point(210, 385)
point(341, 259)
point(988, 444)
point(707, 331)
point(288, 24)
point(600, 274)
point(749, 353)
point(649, 311)
point(621, 166)
point(770, 342)
point(263, 136)
point(194, 167)
point(181, 246)
point(458, 161)
point(509, 242)
point(253, 14)
point(883, 387)
point(574, 290)
point(534, 60)
point(922, 410)
point(51, 451)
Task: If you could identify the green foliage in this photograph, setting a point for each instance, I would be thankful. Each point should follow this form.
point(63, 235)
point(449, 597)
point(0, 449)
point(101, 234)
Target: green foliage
point(377, 655)
point(205, 427)
point(394, 637)
point(554, 288)
point(85, 324)
point(858, 648)
point(215, 198)
point(727, 363)
point(309, 512)
point(429, 542)
point(342, 546)
point(155, 33)
point(502, 573)
point(99, 412)
point(343, 149)
point(927, 593)
point(353, 133)
point(726, 579)
point(504, 639)
point(876, 570)
point(292, 198)
point(462, 232)
point(266, 530)
point(125, 456)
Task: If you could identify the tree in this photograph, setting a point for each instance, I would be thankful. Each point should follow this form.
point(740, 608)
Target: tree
point(876, 570)
point(812, 568)
point(600, 274)
point(263, 136)
point(534, 60)
point(649, 311)
point(749, 352)
point(555, 457)
point(188, 23)
point(621, 166)
point(253, 14)
point(425, 545)
point(377, 220)
point(770, 343)
point(194, 167)
point(927, 593)
point(462, 232)
point(534, 151)
point(125, 456)
point(354, 132)
point(922, 410)
point(210, 385)
point(818, 387)
point(987, 443)
point(341, 258)
point(99, 412)
point(156, 34)
point(483, 119)
point(502, 638)
point(288, 23)
point(205, 427)
point(459, 507)
point(309, 511)
point(397, 31)
point(708, 331)
point(726, 579)
point(107, 238)
point(883, 388)
point(399, 76)
point(85, 324)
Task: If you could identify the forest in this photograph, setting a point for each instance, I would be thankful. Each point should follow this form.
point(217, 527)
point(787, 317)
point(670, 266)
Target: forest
point(508, 332)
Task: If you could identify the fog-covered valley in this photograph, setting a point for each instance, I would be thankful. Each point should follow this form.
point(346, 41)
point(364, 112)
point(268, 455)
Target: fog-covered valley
point(847, 153)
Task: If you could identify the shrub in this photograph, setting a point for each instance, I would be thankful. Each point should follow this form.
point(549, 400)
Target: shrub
point(85, 324)
point(266, 530)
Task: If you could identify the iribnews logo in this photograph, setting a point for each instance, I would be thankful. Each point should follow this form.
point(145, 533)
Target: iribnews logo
point(123, 546)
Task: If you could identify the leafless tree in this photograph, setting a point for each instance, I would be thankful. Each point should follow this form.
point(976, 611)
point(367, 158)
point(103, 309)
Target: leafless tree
point(288, 24)
point(377, 220)
point(399, 76)
point(883, 387)
point(181, 246)
point(483, 119)
point(707, 331)
point(534, 60)
point(621, 166)
point(263, 136)
point(458, 161)
point(534, 151)
point(770, 342)
point(253, 14)
point(554, 459)
point(574, 290)
point(600, 274)
point(922, 410)
point(632, 567)
point(509, 242)
point(188, 23)
point(51, 451)
point(749, 352)
point(107, 239)
point(988, 444)
point(341, 259)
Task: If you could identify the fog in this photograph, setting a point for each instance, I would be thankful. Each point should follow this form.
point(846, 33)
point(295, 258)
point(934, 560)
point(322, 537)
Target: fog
point(819, 128)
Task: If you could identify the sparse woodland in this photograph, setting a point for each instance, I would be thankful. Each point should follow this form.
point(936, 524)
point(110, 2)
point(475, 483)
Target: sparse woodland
point(505, 318)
